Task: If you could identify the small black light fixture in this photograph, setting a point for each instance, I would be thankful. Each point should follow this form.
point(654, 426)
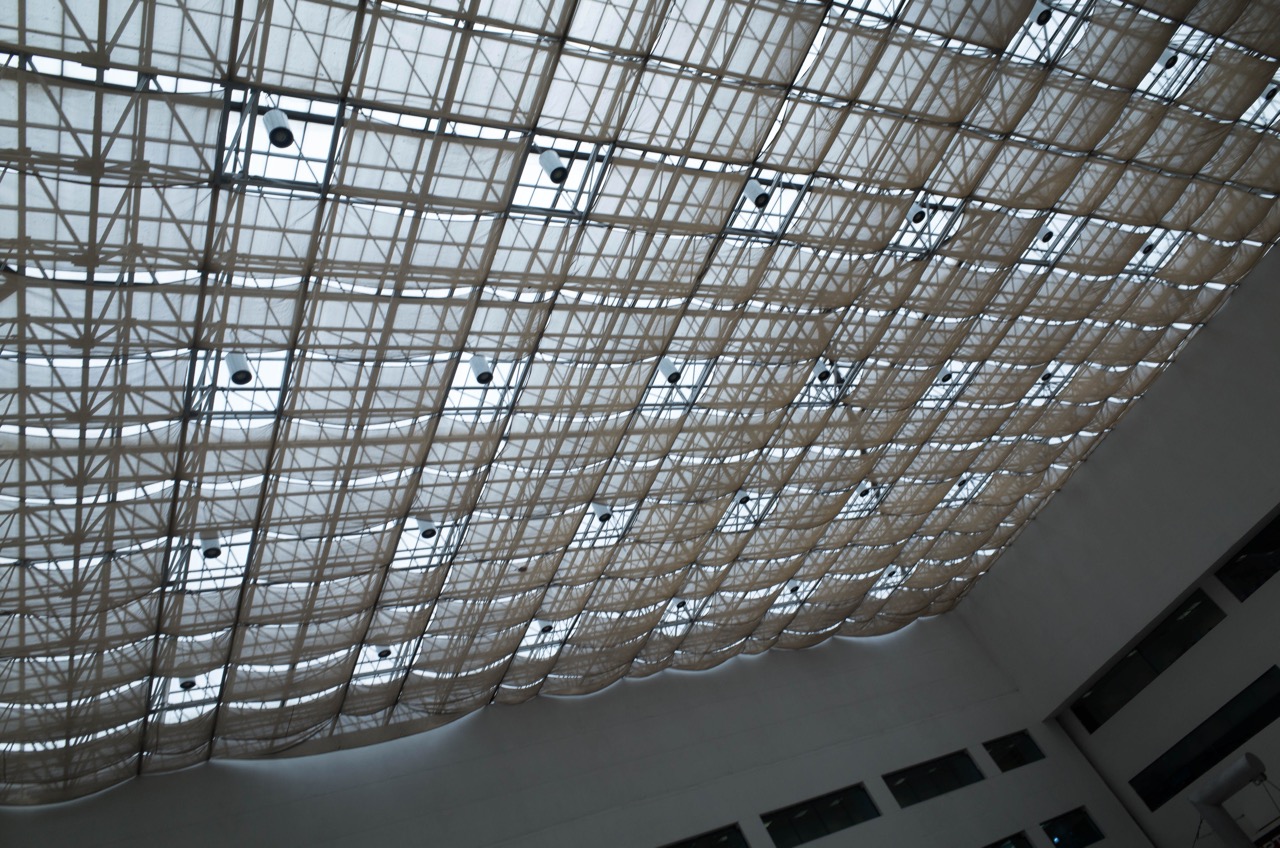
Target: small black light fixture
point(669, 370)
point(278, 132)
point(756, 193)
point(186, 684)
point(210, 546)
point(238, 367)
point(555, 167)
point(481, 369)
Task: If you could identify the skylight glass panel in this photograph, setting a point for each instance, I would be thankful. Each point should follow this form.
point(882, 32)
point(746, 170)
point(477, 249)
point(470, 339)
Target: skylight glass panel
point(316, 386)
point(1179, 64)
point(863, 501)
point(1051, 29)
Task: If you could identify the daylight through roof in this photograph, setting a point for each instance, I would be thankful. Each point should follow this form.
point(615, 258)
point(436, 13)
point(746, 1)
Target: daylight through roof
point(366, 363)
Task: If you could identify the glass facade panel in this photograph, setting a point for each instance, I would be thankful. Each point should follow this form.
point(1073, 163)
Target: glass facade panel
point(817, 817)
point(1016, 749)
point(936, 777)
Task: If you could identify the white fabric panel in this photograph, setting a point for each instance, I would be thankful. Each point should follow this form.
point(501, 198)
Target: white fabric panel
point(827, 414)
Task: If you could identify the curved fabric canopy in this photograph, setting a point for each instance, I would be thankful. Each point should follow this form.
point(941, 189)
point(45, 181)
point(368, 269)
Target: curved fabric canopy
point(365, 363)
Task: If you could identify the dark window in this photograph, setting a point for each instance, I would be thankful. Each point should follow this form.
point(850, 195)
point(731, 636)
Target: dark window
point(1255, 564)
point(809, 820)
point(936, 777)
point(1016, 749)
point(1216, 737)
point(725, 837)
point(1018, 840)
point(1072, 830)
point(1158, 650)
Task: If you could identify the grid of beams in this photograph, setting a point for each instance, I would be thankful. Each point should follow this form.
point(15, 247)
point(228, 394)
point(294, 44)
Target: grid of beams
point(831, 298)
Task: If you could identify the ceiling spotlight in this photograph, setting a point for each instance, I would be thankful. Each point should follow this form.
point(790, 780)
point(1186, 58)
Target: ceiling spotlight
point(187, 684)
point(756, 193)
point(481, 368)
point(278, 131)
point(238, 367)
point(602, 512)
point(427, 528)
point(382, 651)
point(211, 547)
point(555, 167)
point(669, 370)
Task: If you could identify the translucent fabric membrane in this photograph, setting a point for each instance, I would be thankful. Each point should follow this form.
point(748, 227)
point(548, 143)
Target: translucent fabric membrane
point(366, 363)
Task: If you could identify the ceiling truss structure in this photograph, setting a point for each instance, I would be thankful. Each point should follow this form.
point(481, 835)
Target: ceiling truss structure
point(829, 300)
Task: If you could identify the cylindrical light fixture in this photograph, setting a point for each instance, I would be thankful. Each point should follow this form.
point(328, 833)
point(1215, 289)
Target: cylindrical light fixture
point(669, 370)
point(238, 367)
point(426, 528)
point(278, 132)
point(555, 167)
point(822, 371)
point(481, 368)
point(603, 513)
point(186, 683)
point(917, 214)
point(742, 498)
point(382, 651)
point(756, 193)
point(210, 546)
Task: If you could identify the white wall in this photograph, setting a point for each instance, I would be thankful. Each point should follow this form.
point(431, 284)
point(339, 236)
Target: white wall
point(1230, 657)
point(1190, 470)
point(640, 764)
point(1189, 474)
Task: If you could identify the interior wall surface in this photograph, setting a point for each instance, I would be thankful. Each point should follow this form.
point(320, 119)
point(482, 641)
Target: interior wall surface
point(1230, 657)
point(643, 763)
point(1188, 473)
